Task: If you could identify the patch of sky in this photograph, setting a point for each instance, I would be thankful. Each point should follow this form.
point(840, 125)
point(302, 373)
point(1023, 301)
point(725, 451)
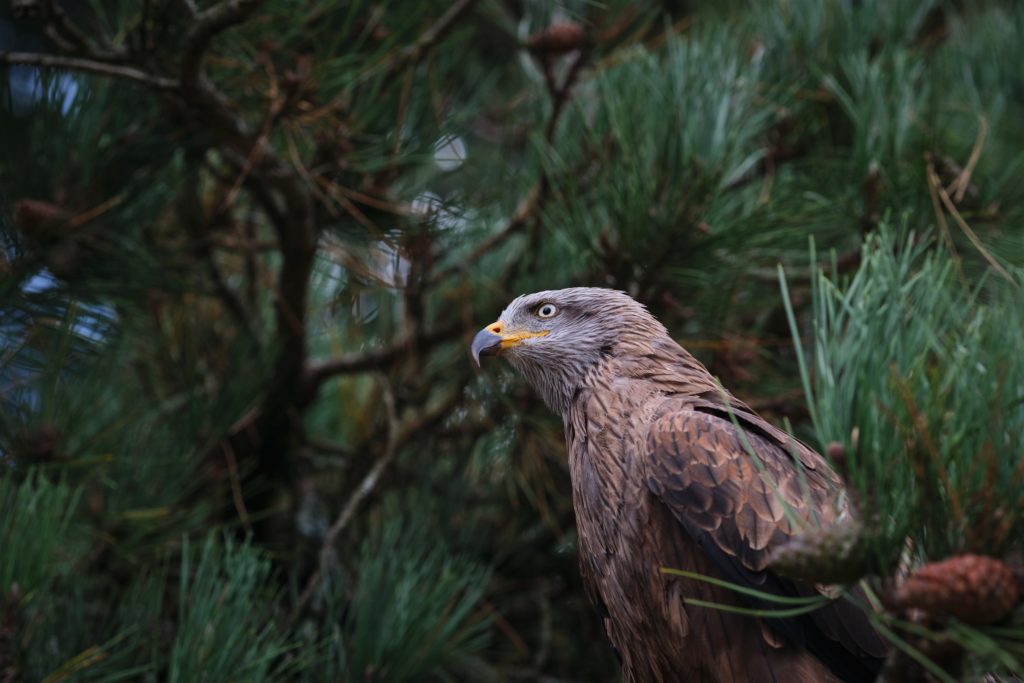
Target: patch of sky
point(449, 152)
point(431, 206)
point(27, 89)
point(40, 282)
point(93, 322)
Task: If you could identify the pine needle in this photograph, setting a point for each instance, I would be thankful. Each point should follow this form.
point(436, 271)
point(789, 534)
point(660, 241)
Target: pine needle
point(754, 593)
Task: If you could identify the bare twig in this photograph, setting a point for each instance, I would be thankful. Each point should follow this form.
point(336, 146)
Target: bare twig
point(959, 185)
point(88, 66)
point(230, 297)
point(71, 37)
point(550, 82)
point(403, 109)
point(398, 209)
point(363, 361)
point(95, 212)
point(508, 629)
point(934, 185)
point(277, 104)
point(205, 26)
point(271, 207)
point(962, 224)
point(236, 485)
point(434, 34)
point(438, 30)
point(330, 191)
point(560, 97)
point(59, 39)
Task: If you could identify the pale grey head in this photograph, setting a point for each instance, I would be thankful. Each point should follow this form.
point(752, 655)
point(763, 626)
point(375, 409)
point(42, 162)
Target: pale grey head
point(555, 338)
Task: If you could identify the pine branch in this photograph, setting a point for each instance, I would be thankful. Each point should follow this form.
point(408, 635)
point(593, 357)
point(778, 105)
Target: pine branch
point(962, 224)
point(88, 66)
point(438, 30)
point(66, 33)
point(560, 94)
point(230, 297)
point(205, 26)
point(376, 359)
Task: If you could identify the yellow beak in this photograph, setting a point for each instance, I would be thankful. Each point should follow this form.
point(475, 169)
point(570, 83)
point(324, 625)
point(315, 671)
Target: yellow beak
point(493, 338)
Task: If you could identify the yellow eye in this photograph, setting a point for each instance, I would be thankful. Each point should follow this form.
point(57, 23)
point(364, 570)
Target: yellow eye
point(547, 311)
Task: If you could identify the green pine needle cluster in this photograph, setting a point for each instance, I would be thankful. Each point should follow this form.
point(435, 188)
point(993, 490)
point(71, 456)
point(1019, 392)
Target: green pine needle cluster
point(226, 628)
point(913, 372)
point(412, 610)
point(38, 519)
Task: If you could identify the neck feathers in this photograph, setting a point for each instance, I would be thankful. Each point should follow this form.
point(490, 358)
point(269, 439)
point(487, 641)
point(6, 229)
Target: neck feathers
point(656, 365)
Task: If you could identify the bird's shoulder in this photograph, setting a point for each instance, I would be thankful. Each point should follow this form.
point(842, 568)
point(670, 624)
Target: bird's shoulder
point(719, 420)
point(729, 475)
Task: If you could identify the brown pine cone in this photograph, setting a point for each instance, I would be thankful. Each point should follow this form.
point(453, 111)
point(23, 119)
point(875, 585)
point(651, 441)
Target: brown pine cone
point(975, 589)
point(38, 218)
point(557, 39)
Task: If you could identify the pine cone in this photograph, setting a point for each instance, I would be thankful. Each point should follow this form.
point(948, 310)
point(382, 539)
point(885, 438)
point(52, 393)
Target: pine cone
point(975, 589)
point(35, 218)
point(557, 39)
point(832, 554)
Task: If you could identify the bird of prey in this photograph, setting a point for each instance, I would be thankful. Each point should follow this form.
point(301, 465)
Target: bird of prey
point(668, 470)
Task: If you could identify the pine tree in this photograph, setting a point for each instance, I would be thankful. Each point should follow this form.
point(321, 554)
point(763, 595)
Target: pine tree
point(246, 241)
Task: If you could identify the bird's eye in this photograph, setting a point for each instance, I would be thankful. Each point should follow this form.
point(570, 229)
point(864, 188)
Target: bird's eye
point(547, 311)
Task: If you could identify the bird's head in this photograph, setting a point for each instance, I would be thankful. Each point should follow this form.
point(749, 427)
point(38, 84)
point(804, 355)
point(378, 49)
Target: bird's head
point(555, 338)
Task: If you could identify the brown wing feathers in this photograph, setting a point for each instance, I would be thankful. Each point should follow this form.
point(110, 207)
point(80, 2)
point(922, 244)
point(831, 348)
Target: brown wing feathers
point(700, 468)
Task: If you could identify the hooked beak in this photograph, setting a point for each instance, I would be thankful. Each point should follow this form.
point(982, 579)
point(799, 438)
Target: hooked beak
point(487, 342)
point(492, 339)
